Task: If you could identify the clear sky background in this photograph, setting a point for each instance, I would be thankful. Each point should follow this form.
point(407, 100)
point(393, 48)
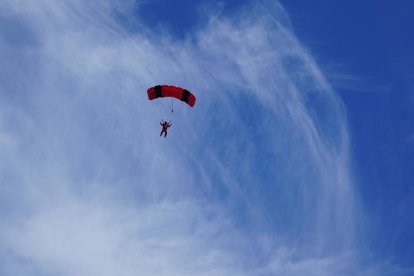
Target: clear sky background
point(366, 48)
point(296, 160)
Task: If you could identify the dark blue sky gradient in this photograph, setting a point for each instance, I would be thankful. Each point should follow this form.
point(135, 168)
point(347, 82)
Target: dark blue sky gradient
point(373, 41)
point(182, 16)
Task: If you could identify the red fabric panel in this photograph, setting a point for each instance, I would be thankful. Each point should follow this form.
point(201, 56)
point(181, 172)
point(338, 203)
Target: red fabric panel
point(191, 100)
point(151, 93)
point(172, 91)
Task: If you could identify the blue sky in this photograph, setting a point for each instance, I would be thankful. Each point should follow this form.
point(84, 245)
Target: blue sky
point(296, 160)
point(372, 42)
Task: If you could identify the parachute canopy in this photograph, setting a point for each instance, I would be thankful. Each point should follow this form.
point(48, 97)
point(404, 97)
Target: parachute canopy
point(161, 91)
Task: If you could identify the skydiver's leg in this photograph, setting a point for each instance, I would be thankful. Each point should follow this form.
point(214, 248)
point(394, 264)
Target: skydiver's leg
point(162, 131)
point(165, 134)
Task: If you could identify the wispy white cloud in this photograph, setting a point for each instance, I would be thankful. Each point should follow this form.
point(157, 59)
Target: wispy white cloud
point(254, 180)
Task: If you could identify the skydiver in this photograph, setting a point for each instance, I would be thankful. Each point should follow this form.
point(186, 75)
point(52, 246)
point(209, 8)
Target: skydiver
point(165, 126)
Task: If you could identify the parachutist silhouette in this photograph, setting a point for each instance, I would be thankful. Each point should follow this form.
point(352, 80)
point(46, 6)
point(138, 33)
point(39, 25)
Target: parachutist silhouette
point(173, 92)
point(165, 127)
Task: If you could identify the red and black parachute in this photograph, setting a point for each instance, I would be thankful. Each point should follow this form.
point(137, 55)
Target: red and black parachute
point(161, 91)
